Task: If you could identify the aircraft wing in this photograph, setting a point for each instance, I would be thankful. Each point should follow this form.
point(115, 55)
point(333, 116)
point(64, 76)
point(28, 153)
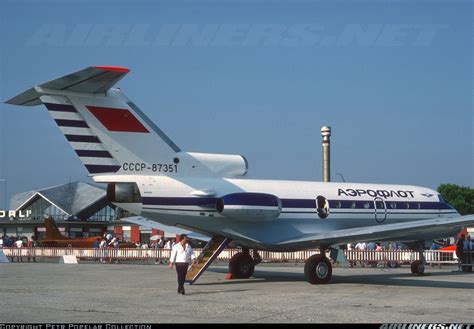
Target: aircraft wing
point(409, 231)
point(142, 221)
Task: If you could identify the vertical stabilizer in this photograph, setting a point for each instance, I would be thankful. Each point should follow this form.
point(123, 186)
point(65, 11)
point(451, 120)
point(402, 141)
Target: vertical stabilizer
point(52, 231)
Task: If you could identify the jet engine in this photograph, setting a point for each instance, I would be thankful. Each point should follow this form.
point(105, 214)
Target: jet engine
point(123, 193)
point(249, 206)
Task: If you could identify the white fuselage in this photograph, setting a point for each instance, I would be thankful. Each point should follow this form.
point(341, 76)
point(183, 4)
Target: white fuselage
point(190, 203)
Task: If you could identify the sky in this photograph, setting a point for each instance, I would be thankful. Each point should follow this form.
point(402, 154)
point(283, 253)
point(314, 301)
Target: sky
point(392, 78)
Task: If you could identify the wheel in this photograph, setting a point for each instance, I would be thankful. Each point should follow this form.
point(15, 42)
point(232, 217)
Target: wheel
point(417, 267)
point(317, 269)
point(241, 266)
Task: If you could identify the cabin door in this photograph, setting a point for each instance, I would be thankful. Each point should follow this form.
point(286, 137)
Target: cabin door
point(380, 210)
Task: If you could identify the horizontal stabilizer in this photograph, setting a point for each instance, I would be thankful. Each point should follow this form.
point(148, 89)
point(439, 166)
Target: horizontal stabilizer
point(92, 80)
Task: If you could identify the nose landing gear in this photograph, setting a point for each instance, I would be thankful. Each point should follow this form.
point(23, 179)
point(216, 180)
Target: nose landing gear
point(418, 267)
point(242, 265)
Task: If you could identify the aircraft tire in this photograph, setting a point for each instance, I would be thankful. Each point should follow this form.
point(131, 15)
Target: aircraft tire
point(241, 266)
point(417, 267)
point(317, 269)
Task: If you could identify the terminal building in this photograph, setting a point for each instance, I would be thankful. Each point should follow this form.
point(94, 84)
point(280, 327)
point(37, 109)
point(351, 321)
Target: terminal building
point(79, 209)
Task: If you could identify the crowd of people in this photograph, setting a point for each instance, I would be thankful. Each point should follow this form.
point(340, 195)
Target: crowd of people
point(110, 241)
point(373, 246)
point(18, 242)
point(157, 244)
point(161, 243)
point(464, 251)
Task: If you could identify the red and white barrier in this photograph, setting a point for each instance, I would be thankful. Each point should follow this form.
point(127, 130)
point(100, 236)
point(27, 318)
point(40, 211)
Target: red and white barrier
point(399, 256)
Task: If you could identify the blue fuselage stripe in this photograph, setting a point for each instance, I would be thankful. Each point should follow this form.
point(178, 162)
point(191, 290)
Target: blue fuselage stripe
point(167, 201)
point(306, 204)
point(338, 213)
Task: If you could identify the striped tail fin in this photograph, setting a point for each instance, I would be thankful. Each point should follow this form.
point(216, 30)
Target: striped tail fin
point(85, 142)
point(107, 131)
point(112, 136)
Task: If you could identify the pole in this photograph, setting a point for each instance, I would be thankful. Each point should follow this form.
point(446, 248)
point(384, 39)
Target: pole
point(326, 134)
point(4, 192)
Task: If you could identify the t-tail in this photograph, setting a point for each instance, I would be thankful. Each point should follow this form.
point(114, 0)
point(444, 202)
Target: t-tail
point(111, 135)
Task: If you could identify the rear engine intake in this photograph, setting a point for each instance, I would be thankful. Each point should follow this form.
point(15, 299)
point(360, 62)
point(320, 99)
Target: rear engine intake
point(123, 193)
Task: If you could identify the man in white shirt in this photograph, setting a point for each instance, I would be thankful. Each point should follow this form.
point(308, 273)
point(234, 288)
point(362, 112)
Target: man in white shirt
point(361, 246)
point(102, 245)
point(19, 244)
point(181, 255)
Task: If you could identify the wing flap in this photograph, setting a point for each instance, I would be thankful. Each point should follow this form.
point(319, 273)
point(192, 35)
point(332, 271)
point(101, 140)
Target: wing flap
point(410, 231)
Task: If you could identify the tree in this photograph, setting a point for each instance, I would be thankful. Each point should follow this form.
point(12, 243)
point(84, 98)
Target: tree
point(460, 197)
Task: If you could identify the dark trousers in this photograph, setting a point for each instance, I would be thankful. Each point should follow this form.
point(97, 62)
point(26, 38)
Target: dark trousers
point(467, 259)
point(181, 270)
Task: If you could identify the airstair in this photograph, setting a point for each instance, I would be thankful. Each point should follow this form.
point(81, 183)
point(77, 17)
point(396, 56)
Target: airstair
point(210, 252)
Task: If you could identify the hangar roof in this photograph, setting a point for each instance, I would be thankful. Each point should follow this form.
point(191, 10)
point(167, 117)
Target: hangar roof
point(72, 198)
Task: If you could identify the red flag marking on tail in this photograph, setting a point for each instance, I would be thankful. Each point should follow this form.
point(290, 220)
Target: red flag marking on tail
point(117, 119)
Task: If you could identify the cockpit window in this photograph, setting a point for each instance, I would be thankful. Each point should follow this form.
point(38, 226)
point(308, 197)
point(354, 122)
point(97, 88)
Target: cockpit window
point(441, 199)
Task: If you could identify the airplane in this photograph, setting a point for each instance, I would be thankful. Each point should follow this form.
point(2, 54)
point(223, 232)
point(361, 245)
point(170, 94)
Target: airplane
point(149, 175)
point(54, 238)
point(147, 223)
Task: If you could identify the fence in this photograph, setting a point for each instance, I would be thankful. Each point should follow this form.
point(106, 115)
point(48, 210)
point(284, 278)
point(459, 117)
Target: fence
point(401, 256)
point(398, 256)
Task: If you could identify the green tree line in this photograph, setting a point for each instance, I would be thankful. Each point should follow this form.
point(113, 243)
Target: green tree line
point(460, 197)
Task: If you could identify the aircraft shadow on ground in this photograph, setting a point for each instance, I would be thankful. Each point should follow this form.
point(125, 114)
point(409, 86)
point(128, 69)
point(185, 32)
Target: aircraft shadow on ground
point(195, 293)
point(384, 279)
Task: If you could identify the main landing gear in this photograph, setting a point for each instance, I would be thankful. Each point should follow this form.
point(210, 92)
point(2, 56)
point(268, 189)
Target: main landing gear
point(318, 269)
point(242, 264)
point(418, 266)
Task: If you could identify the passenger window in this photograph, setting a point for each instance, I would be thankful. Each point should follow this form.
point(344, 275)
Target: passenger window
point(408, 205)
point(366, 205)
point(353, 205)
point(393, 205)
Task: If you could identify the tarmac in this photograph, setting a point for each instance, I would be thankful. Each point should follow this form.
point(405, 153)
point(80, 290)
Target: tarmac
point(137, 293)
